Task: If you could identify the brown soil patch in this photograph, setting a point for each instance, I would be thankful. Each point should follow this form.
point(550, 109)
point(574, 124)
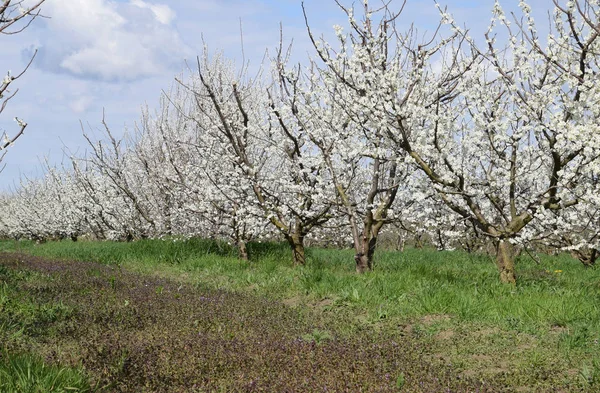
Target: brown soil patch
point(324, 303)
point(293, 301)
point(522, 347)
point(558, 329)
point(495, 370)
point(428, 320)
point(482, 358)
point(445, 334)
point(406, 329)
point(486, 332)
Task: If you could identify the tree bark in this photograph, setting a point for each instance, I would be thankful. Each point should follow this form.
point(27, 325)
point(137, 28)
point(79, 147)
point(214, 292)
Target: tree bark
point(505, 260)
point(587, 257)
point(401, 242)
point(362, 263)
point(419, 241)
point(296, 241)
point(242, 250)
point(366, 250)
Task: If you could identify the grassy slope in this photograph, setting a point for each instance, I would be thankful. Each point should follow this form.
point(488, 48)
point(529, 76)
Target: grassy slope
point(543, 333)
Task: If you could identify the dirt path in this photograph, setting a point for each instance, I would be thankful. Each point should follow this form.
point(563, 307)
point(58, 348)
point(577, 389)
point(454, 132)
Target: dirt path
point(135, 333)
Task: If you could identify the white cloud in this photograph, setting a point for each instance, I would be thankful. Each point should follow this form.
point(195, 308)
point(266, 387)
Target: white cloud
point(109, 40)
point(81, 104)
point(163, 13)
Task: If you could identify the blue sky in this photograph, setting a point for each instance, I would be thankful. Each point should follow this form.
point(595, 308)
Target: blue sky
point(117, 55)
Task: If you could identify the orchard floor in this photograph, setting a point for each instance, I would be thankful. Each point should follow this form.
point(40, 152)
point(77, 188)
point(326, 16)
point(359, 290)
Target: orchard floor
point(140, 332)
point(133, 333)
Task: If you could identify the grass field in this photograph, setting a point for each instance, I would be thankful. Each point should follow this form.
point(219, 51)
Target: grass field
point(542, 335)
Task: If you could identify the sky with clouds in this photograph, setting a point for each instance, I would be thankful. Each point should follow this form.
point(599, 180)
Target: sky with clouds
point(113, 56)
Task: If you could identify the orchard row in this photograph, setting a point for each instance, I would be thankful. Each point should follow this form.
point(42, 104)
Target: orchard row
point(455, 136)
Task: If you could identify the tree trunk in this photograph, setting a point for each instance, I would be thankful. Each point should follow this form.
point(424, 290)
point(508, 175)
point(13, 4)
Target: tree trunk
point(587, 257)
point(419, 241)
point(505, 260)
point(441, 243)
point(242, 250)
point(401, 242)
point(238, 235)
point(364, 256)
point(296, 242)
point(363, 264)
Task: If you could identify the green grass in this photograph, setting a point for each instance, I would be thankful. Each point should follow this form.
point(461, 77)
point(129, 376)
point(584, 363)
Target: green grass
point(558, 292)
point(29, 374)
point(23, 317)
point(548, 325)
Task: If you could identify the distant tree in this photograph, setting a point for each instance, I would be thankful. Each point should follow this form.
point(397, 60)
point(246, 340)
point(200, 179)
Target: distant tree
point(209, 206)
point(11, 13)
point(274, 163)
point(123, 184)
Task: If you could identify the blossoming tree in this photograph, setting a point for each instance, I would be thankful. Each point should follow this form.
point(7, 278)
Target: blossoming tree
point(521, 139)
point(274, 164)
point(353, 101)
point(502, 134)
